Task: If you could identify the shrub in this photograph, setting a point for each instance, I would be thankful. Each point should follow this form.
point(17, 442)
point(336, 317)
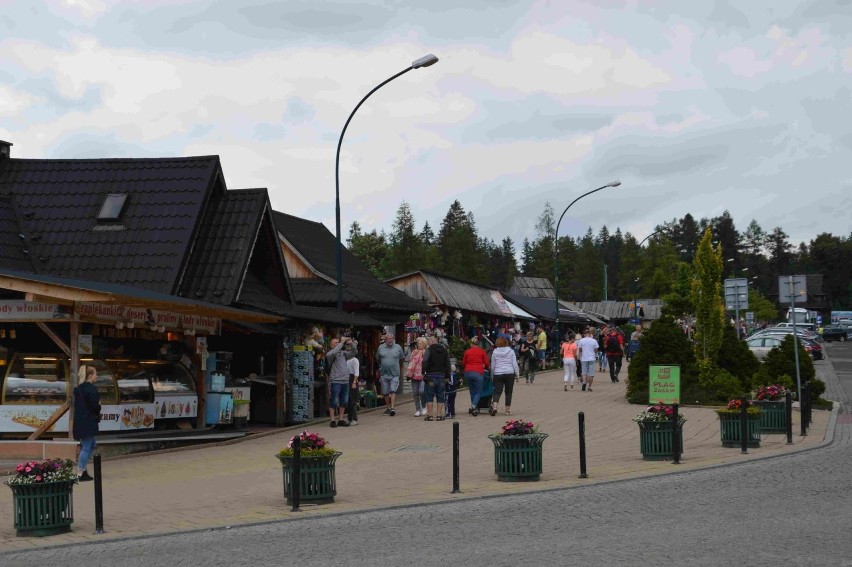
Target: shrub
point(736, 358)
point(662, 343)
point(781, 360)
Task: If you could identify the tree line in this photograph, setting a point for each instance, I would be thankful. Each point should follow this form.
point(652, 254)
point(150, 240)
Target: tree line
point(607, 264)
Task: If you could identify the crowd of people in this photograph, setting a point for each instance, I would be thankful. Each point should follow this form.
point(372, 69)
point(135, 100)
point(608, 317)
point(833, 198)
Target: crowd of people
point(434, 377)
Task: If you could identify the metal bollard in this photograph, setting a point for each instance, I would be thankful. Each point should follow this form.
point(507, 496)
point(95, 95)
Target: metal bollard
point(803, 411)
point(582, 420)
point(788, 408)
point(744, 425)
point(809, 406)
point(456, 457)
point(296, 478)
point(99, 496)
point(675, 437)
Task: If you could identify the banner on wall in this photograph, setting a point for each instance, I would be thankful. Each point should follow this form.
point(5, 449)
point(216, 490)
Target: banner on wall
point(149, 317)
point(20, 310)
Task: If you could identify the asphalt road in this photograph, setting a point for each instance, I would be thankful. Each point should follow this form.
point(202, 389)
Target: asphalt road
point(792, 510)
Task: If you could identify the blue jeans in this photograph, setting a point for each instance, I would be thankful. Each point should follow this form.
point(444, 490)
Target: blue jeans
point(339, 395)
point(603, 361)
point(474, 383)
point(435, 388)
point(417, 391)
point(87, 447)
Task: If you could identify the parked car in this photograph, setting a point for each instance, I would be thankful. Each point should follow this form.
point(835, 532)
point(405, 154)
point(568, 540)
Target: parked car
point(813, 348)
point(834, 333)
point(761, 345)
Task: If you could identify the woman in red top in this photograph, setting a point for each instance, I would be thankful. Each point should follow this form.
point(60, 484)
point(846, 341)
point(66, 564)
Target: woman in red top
point(474, 364)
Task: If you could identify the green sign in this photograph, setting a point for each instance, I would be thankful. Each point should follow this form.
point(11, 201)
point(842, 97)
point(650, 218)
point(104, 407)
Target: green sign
point(664, 384)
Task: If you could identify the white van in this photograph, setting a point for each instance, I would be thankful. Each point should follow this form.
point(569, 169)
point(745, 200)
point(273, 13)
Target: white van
point(807, 326)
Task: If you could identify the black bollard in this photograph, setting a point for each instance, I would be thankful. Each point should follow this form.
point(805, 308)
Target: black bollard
point(456, 457)
point(675, 437)
point(788, 409)
point(99, 496)
point(582, 420)
point(803, 410)
point(296, 473)
point(808, 405)
point(744, 425)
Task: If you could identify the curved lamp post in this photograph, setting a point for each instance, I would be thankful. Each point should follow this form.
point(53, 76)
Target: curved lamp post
point(636, 281)
point(424, 61)
point(556, 242)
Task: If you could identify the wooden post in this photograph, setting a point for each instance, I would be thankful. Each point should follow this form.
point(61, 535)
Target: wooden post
point(280, 386)
point(75, 365)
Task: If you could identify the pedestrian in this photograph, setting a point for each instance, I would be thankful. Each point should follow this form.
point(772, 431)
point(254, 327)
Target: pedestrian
point(354, 366)
point(389, 357)
point(569, 361)
point(339, 381)
point(452, 386)
point(474, 365)
point(436, 371)
point(614, 347)
point(529, 360)
point(415, 374)
point(504, 371)
point(541, 347)
point(87, 415)
point(603, 364)
point(588, 348)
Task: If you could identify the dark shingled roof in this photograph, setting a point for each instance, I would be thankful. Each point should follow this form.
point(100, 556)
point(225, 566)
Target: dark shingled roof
point(225, 243)
point(56, 203)
point(13, 244)
point(317, 246)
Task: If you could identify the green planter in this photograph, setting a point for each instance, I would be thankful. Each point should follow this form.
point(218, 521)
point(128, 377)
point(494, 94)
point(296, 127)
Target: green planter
point(773, 416)
point(42, 509)
point(518, 458)
point(730, 429)
point(317, 484)
point(655, 439)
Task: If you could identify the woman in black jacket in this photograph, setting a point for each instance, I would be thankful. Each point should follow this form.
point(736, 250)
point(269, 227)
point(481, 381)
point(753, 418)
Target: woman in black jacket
point(87, 414)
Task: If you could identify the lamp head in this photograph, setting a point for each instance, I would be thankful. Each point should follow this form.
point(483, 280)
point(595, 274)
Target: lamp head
point(613, 184)
point(425, 61)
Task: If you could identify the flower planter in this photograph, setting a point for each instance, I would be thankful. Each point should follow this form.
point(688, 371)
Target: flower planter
point(730, 429)
point(773, 416)
point(42, 509)
point(655, 439)
point(518, 457)
point(317, 484)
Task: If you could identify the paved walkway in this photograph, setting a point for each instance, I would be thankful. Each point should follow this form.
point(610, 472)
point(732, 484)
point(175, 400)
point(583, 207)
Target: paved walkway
point(389, 461)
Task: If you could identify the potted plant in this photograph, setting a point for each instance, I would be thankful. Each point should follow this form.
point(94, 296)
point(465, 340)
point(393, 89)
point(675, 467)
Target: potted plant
point(655, 431)
point(729, 422)
point(41, 497)
point(317, 484)
point(518, 451)
point(773, 407)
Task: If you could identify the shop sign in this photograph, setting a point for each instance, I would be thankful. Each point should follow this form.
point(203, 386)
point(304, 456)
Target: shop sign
point(501, 303)
point(148, 317)
point(170, 407)
point(20, 310)
point(26, 419)
point(127, 417)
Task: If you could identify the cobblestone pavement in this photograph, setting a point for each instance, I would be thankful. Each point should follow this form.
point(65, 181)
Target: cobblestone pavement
point(792, 508)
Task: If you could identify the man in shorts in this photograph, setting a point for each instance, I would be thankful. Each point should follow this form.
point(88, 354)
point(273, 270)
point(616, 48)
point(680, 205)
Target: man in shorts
point(588, 348)
point(389, 357)
point(541, 346)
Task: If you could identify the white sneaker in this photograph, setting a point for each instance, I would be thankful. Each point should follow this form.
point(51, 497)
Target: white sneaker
point(417, 414)
point(353, 423)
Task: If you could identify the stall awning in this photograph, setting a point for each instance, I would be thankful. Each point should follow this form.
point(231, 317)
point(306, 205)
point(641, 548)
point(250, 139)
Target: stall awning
point(52, 289)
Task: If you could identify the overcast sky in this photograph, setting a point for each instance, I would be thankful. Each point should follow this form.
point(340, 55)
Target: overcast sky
point(694, 106)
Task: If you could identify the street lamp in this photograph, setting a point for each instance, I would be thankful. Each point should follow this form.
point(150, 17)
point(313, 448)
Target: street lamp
point(425, 61)
point(636, 281)
point(555, 244)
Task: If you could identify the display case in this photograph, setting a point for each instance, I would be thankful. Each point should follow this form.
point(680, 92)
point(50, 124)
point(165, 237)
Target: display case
point(172, 387)
point(105, 383)
point(36, 379)
point(34, 387)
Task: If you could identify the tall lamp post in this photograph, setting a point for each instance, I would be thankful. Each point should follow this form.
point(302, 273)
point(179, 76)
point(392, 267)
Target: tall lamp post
point(556, 242)
point(424, 61)
point(636, 281)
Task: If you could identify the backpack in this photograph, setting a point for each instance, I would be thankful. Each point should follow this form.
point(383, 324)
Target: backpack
point(612, 344)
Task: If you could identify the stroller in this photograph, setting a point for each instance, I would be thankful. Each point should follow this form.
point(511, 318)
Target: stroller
point(487, 391)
